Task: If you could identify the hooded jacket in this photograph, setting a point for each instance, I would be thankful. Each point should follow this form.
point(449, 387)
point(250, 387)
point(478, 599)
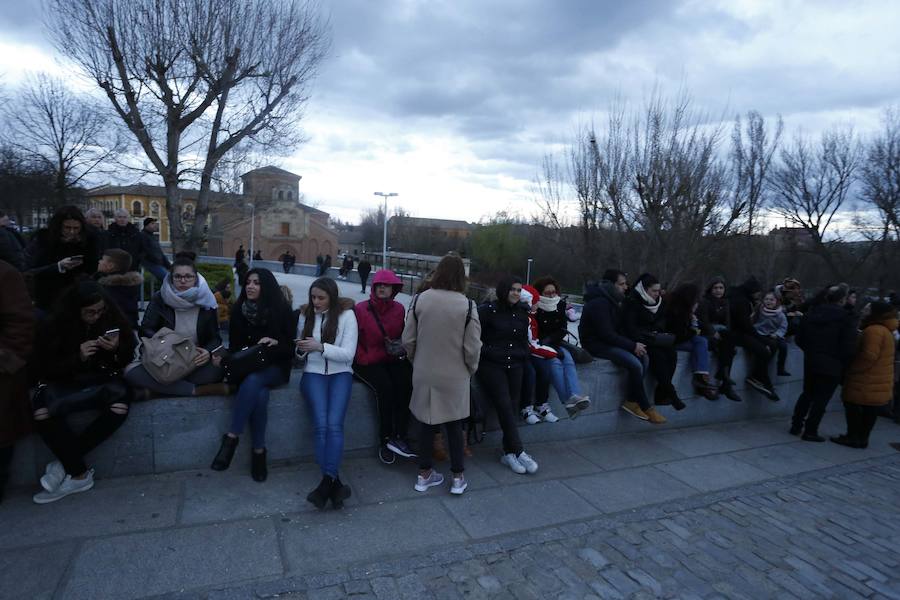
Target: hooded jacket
point(828, 339)
point(601, 319)
point(370, 345)
point(504, 331)
point(125, 290)
point(869, 379)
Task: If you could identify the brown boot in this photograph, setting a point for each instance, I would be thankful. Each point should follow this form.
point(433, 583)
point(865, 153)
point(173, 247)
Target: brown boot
point(440, 452)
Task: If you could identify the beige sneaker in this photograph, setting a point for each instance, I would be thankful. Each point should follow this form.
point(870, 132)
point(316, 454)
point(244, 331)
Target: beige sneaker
point(634, 409)
point(654, 417)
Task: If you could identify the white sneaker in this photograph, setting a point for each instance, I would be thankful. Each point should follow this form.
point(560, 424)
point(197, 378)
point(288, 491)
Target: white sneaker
point(458, 485)
point(546, 414)
point(513, 463)
point(423, 483)
point(526, 461)
point(67, 487)
point(53, 476)
point(530, 416)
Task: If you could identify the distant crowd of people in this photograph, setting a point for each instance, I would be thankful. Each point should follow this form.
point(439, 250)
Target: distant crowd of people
point(75, 343)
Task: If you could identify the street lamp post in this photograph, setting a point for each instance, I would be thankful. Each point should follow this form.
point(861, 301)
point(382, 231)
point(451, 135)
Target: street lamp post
point(252, 227)
point(528, 276)
point(385, 195)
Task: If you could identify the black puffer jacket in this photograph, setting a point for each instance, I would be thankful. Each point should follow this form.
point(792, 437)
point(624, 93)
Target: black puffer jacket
point(601, 320)
point(827, 336)
point(44, 254)
point(126, 238)
point(638, 322)
point(553, 325)
point(159, 315)
point(125, 289)
point(504, 334)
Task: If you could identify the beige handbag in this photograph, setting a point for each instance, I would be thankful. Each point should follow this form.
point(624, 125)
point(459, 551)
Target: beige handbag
point(168, 356)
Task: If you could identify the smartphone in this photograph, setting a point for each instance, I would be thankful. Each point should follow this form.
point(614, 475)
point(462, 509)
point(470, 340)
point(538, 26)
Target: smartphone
point(218, 351)
point(112, 333)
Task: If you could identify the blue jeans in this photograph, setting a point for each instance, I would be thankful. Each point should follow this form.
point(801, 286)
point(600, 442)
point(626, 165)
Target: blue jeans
point(252, 404)
point(327, 397)
point(698, 346)
point(561, 373)
point(634, 369)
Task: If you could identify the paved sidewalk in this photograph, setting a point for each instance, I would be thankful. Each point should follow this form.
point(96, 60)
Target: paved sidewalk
point(740, 510)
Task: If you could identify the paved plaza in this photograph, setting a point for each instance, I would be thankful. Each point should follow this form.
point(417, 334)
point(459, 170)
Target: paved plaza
point(739, 510)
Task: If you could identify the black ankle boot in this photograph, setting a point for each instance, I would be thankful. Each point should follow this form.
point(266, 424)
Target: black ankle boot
point(6, 455)
point(258, 469)
point(319, 496)
point(729, 391)
point(677, 403)
point(339, 493)
point(226, 452)
point(661, 395)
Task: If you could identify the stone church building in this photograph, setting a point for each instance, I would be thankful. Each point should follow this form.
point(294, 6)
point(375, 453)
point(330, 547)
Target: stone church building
point(281, 223)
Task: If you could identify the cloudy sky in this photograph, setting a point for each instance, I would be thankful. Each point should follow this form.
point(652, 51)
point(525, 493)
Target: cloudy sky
point(452, 104)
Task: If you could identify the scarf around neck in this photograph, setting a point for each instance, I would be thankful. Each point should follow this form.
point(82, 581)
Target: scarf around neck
point(199, 296)
point(648, 301)
point(250, 310)
point(769, 312)
point(549, 304)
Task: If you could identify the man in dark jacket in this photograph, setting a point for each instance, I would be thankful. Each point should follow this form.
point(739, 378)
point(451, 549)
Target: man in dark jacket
point(10, 250)
point(155, 260)
point(742, 302)
point(827, 336)
point(600, 333)
point(97, 223)
point(124, 235)
point(364, 269)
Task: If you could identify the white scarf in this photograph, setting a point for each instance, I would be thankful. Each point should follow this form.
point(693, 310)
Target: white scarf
point(549, 304)
point(649, 303)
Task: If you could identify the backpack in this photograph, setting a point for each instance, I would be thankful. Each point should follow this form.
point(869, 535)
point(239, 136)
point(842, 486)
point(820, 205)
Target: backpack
point(168, 356)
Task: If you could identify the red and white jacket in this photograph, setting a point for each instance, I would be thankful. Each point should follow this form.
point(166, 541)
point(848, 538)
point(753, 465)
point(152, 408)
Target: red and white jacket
point(534, 346)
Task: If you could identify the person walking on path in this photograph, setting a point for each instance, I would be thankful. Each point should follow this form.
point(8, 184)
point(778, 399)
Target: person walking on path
point(364, 268)
point(504, 350)
point(238, 256)
point(16, 340)
point(869, 380)
point(327, 333)
point(442, 337)
point(381, 363)
point(828, 340)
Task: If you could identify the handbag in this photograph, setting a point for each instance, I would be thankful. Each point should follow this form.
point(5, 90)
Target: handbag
point(660, 339)
point(61, 399)
point(579, 354)
point(393, 346)
point(244, 362)
point(168, 356)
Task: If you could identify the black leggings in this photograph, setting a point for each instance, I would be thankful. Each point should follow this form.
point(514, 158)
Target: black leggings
point(860, 421)
point(662, 363)
point(392, 384)
point(724, 349)
point(503, 386)
point(454, 442)
point(71, 448)
point(761, 351)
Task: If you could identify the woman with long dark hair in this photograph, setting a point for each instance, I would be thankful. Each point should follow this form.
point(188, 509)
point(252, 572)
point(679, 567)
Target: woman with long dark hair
point(682, 322)
point(504, 350)
point(326, 334)
point(66, 251)
point(80, 354)
point(260, 317)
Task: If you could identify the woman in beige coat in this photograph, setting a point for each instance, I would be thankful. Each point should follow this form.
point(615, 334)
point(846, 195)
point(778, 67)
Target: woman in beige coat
point(442, 337)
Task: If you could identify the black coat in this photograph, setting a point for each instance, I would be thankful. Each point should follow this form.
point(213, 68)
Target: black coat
point(127, 238)
point(640, 324)
point(125, 290)
point(827, 336)
point(553, 325)
point(364, 268)
point(152, 251)
point(280, 326)
point(57, 354)
point(713, 311)
point(44, 254)
point(601, 321)
point(11, 250)
point(504, 334)
point(159, 315)
point(741, 305)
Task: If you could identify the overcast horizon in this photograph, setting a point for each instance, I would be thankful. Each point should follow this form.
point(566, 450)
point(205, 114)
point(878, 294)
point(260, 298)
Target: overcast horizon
point(452, 105)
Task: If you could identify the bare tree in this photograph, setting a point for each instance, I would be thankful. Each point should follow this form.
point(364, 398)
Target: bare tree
point(811, 184)
point(193, 79)
point(752, 151)
point(65, 131)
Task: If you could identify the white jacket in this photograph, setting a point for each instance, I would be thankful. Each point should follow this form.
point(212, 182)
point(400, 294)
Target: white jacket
point(337, 357)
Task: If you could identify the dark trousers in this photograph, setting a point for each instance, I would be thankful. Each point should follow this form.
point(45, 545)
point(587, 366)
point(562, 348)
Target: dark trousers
point(761, 352)
point(363, 279)
point(392, 384)
point(860, 421)
point(782, 353)
point(662, 363)
point(724, 349)
point(454, 442)
point(818, 389)
point(529, 387)
point(70, 448)
point(6, 456)
point(503, 386)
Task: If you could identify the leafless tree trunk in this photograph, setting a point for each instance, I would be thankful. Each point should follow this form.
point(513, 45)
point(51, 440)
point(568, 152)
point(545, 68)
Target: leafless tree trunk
point(66, 132)
point(811, 184)
point(193, 79)
point(752, 151)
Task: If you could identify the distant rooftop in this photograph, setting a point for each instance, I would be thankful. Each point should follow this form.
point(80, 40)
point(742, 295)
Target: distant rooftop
point(436, 223)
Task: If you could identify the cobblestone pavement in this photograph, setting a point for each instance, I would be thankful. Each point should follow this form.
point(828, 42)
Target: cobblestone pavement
point(834, 533)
